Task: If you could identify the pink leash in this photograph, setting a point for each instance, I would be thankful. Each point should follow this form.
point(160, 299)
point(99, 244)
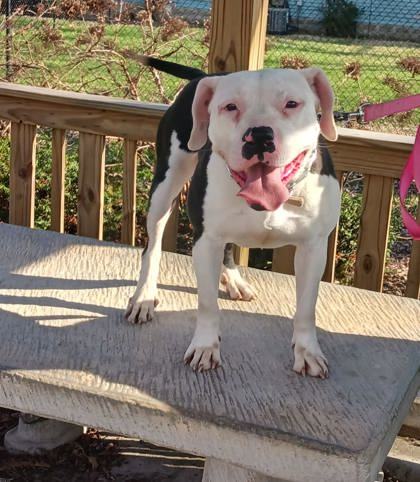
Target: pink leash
point(411, 171)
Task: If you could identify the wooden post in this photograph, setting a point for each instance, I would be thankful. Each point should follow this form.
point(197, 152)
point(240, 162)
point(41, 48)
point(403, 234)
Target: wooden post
point(22, 174)
point(58, 179)
point(238, 31)
point(91, 185)
point(237, 42)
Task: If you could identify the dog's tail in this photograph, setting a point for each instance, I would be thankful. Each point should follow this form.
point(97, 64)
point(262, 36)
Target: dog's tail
point(172, 68)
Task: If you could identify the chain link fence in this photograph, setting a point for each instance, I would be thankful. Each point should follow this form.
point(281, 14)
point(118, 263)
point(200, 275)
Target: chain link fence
point(370, 49)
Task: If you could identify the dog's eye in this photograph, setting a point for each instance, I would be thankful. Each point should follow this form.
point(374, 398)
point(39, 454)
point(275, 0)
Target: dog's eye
point(292, 104)
point(231, 107)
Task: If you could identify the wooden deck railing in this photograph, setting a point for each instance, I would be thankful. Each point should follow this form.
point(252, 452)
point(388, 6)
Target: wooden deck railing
point(379, 157)
point(94, 117)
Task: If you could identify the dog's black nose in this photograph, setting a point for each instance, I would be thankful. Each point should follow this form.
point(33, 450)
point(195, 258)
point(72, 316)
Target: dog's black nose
point(257, 141)
point(259, 135)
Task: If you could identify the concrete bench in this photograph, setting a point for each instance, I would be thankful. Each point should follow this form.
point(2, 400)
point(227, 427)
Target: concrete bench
point(66, 353)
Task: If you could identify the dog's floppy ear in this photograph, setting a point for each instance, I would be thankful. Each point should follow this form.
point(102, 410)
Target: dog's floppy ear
point(322, 88)
point(200, 112)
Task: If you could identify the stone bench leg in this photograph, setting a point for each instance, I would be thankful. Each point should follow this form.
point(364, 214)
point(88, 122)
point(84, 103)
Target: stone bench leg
point(218, 471)
point(36, 434)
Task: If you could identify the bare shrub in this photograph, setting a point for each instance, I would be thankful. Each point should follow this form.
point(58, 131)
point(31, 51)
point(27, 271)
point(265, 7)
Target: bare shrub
point(89, 54)
point(396, 85)
point(294, 62)
point(353, 70)
point(411, 64)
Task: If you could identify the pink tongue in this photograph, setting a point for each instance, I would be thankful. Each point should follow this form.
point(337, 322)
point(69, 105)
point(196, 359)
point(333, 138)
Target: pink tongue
point(264, 187)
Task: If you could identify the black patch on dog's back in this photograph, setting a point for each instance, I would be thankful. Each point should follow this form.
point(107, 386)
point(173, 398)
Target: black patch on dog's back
point(178, 119)
point(197, 192)
point(327, 168)
point(323, 164)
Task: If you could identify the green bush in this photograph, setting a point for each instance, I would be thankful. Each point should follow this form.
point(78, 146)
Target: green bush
point(347, 234)
point(340, 18)
point(4, 178)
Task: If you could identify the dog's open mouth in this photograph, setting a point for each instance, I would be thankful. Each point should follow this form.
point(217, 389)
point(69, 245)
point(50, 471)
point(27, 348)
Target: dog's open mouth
point(264, 187)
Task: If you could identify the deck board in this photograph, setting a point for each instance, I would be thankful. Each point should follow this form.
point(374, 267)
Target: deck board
point(66, 352)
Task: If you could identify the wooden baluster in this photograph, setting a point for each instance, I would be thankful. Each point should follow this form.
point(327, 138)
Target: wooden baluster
point(413, 277)
point(237, 43)
point(367, 152)
point(373, 235)
point(91, 185)
point(329, 272)
point(241, 256)
point(283, 260)
point(58, 173)
point(171, 230)
point(22, 174)
point(128, 228)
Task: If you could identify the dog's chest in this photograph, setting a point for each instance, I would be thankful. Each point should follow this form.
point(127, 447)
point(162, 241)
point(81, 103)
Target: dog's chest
point(227, 216)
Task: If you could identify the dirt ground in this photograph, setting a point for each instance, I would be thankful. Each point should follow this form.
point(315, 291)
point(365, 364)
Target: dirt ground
point(98, 457)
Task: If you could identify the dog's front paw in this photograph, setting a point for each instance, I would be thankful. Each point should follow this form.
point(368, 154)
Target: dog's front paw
point(236, 286)
point(309, 358)
point(202, 355)
point(140, 309)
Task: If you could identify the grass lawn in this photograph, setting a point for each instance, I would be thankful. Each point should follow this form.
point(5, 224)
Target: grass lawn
point(378, 60)
point(70, 63)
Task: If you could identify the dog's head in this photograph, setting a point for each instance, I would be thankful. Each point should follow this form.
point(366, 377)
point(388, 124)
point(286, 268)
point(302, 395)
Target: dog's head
point(264, 124)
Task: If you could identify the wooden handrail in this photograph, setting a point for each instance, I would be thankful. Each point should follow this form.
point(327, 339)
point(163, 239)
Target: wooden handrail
point(361, 151)
point(94, 114)
point(81, 100)
point(373, 153)
point(353, 137)
point(379, 157)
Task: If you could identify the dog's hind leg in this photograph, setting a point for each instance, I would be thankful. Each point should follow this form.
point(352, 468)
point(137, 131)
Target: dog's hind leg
point(236, 287)
point(174, 167)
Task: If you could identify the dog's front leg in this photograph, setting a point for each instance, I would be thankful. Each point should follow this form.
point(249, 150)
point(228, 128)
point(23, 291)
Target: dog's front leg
point(310, 259)
point(204, 350)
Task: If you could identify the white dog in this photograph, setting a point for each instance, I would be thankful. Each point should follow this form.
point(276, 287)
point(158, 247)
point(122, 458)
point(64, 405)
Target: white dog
point(249, 140)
